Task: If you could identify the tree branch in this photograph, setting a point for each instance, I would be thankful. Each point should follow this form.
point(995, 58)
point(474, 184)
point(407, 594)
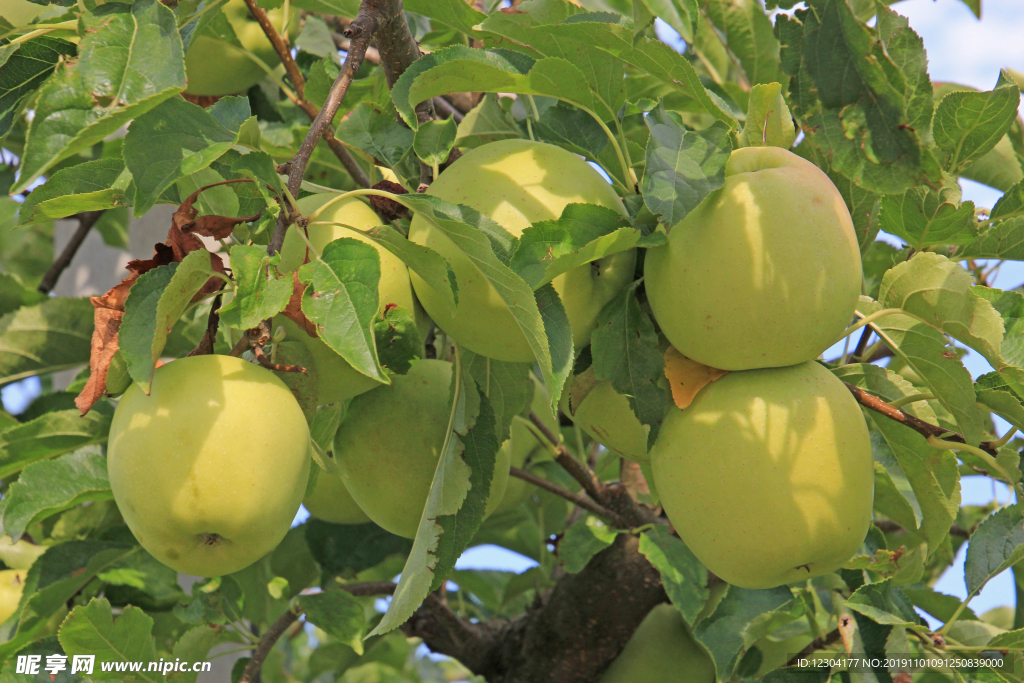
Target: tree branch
point(925, 429)
point(448, 109)
point(299, 83)
point(359, 31)
point(343, 43)
point(86, 221)
point(266, 644)
point(575, 498)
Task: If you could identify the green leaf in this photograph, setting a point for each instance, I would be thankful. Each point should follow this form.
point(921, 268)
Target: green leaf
point(1004, 240)
point(486, 122)
point(583, 233)
point(129, 61)
point(323, 425)
point(939, 605)
point(113, 227)
point(722, 633)
point(51, 486)
point(769, 122)
point(51, 336)
point(540, 315)
point(969, 124)
point(173, 140)
point(142, 572)
point(373, 129)
point(679, 14)
point(347, 549)
point(195, 646)
point(1011, 640)
point(625, 351)
point(25, 67)
point(434, 141)
point(89, 186)
point(748, 33)
point(614, 34)
point(862, 94)
point(506, 385)
point(341, 301)
point(14, 295)
point(338, 614)
point(259, 294)
point(454, 14)
point(398, 339)
point(938, 291)
point(683, 167)
point(682, 574)
point(455, 505)
point(52, 434)
point(435, 270)
point(996, 545)
point(91, 629)
point(883, 603)
point(581, 542)
point(932, 473)
point(923, 217)
point(155, 302)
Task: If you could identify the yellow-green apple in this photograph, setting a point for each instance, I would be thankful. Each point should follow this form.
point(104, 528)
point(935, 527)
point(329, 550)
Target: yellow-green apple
point(522, 443)
point(389, 444)
point(661, 650)
point(220, 67)
point(209, 470)
point(605, 415)
point(20, 554)
point(768, 476)
point(331, 501)
point(764, 273)
point(337, 379)
point(518, 183)
point(12, 582)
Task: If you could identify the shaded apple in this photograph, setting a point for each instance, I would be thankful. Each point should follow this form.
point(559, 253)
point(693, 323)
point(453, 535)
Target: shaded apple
point(331, 501)
point(209, 470)
point(12, 583)
point(518, 183)
point(662, 649)
point(764, 273)
point(768, 476)
point(389, 444)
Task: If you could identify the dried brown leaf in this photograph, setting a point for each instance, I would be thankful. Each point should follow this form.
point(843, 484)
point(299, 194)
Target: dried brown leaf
point(687, 377)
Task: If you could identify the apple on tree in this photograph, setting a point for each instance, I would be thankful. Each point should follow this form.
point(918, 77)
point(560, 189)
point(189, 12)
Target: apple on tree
point(337, 379)
point(12, 584)
point(389, 444)
point(768, 475)
point(662, 649)
point(331, 501)
point(764, 273)
point(216, 66)
point(518, 183)
point(204, 483)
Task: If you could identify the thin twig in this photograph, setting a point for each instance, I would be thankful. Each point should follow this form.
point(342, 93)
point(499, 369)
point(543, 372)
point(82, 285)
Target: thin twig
point(580, 472)
point(86, 220)
point(578, 499)
point(266, 644)
point(923, 428)
point(447, 108)
point(359, 32)
point(299, 83)
point(862, 343)
point(816, 644)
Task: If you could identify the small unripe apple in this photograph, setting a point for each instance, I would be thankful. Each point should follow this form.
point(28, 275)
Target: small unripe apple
point(12, 582)
point(661, 650)
point(209, 470)
point(217, 67)
point(337, 379)
point(331, 501)
point(522, 443)
point(604, 414)
point(389, 444)
point(768, 476)
point(518, 183)
point(764, 273)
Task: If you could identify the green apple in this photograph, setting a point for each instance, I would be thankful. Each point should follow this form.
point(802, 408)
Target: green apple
point(209, 470)
point(12, 581)
point(661, 650)
point(518, 183)
point(389, 444)
point(20, 554)
point(768, 476)
point(522, 443)
point(337, 379)
point(219, 67)
point(331, 501)
point(604, 414)
point(764, 273)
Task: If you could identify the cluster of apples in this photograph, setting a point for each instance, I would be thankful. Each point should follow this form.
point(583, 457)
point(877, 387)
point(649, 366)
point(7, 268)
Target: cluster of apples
point(767, 475)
